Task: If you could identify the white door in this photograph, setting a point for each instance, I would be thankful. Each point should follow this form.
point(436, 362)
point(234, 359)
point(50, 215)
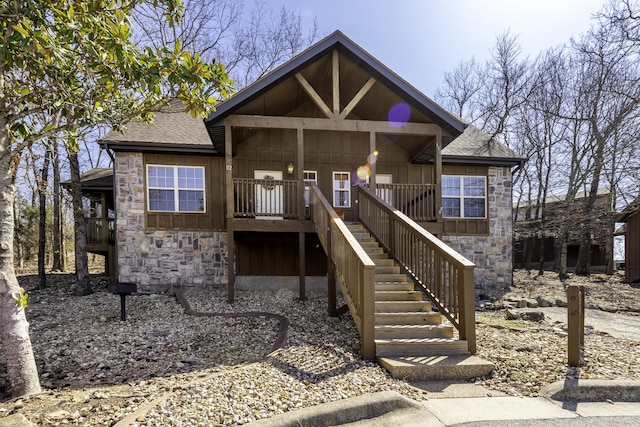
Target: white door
point(385, 194)
point(268, 195)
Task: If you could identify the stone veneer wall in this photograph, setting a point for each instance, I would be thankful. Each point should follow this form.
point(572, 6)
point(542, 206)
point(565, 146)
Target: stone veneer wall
point(159, 260)
point(492, 254)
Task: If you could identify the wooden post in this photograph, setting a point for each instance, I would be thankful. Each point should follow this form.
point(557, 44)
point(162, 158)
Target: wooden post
point(467, 301)
point(437, 174)
point(231, 267)
point(336, 82)
point(575, 324)
point(302, 265)
point(231, 257)
point(367, 299)
point(331, 275)
point(372, 148)
point(300, 173)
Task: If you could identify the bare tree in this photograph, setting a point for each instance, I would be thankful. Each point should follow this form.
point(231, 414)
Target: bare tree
point(248, 47)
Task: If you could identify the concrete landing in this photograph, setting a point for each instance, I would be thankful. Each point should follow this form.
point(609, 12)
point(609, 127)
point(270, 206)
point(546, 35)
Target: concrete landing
point(451, 367)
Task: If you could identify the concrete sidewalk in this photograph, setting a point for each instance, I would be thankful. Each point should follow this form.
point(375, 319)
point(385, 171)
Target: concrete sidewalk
point(584, 402)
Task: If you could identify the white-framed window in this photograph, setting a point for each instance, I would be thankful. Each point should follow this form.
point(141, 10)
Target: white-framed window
point(341, 190)
point(464, 196)
point(310, 178)
point(175, 188)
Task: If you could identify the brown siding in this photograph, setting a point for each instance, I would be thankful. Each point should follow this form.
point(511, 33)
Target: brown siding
point(276, 254)
point(211, 220)
point(467, 226)
point(325, 152)
point(632, 243)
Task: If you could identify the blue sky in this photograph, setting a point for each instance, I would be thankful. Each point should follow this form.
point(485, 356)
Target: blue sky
point(422, 39)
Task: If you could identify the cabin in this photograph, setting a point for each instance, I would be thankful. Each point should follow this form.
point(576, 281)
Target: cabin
point(528, 237)
point(330, 168)
point(631, 217)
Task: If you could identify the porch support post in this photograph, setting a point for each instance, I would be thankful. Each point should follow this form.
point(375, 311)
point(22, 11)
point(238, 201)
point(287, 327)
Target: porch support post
point(300, 174)
point(301, 264)
point(231, 267)
point(437, 174)
point(372, 148)
point(331, 276)
point(231, 261)
point(301, 211)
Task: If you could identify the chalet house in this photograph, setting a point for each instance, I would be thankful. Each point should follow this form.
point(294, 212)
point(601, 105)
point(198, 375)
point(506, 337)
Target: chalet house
point(527, 236)
point(285, 176)
point(631, 216)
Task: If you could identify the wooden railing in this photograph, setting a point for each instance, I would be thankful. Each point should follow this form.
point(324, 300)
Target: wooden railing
point(354, 270)
point(265, 198)
point(99, 231)
point(443, 275)
point(417, 201)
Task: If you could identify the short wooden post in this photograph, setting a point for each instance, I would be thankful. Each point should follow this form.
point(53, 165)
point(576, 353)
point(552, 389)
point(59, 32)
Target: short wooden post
point(367, 299)
point(231, 267)
point(467, 307)
point(301, 265)
point(331, 274)
point(575, 324)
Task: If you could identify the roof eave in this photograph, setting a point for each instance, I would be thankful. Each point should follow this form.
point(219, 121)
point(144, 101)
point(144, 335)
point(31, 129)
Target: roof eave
point(156, 147)
point(487, 161)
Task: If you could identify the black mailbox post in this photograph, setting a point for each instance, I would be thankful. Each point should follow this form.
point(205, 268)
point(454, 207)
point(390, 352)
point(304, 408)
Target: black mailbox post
point(124, 289)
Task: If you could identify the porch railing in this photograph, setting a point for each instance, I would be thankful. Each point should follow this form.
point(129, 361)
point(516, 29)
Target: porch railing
point(443, 275)
point(265, 198)
point(99, 231)
point(417, 201)
point(354, 270)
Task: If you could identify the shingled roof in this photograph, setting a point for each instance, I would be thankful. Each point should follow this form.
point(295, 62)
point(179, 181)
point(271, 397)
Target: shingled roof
point(172, 130)
point(475, 147)
point(631, 209)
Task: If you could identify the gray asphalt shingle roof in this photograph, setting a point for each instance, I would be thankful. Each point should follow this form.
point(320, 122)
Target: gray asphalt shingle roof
point(475, 144)
point(171, 125)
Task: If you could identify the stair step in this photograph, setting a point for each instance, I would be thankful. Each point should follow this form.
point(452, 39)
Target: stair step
point(438, 367)
point(385, 262)
point(403, 306)
point(413, 331)
point(388, 277)
point(420, 346)
point(378, 255)
point(398, 295)
point(393, 286)
point(418, 318)
point(388, 269)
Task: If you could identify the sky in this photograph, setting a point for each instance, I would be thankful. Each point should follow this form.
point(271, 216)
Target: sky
point(420, 40)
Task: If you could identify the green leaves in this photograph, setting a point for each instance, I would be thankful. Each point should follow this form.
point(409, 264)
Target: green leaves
point(76, 58)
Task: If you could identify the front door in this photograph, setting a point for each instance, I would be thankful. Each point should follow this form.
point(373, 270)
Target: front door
point(268, 195)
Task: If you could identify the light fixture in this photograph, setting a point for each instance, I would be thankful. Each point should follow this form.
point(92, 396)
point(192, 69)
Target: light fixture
point(290, 168)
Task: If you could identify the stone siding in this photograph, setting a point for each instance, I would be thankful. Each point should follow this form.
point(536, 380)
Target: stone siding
point(159, 260)
point(492, 254)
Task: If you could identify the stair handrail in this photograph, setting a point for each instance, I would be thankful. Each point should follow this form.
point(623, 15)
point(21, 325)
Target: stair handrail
point(442, 274)
point(354, 269)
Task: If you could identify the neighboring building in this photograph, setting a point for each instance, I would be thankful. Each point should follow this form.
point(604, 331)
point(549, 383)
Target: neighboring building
point(631, 216)
point(527, 236)
point(202, 203)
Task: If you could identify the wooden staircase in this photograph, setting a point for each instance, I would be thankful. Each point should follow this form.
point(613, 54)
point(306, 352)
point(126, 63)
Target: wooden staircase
point(411, 339)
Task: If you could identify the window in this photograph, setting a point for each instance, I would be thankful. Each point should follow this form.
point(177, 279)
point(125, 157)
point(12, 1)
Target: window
point(464, 196)
point(310, 178)
point(175, 188)
point(341, 190)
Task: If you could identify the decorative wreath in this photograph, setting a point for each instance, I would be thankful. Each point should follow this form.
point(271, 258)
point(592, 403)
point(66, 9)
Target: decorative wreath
point(269, 183)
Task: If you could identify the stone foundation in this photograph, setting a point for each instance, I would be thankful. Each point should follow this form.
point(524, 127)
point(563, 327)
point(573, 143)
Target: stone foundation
point(492, 254)
point(158, 261)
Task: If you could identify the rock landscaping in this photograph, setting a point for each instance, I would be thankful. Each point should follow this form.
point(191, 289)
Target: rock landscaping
point(187, 370)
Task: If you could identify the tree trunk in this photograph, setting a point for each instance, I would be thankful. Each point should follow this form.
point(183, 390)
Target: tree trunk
point(58, 231)
point(14, 328)
point(83, 282)
point(42, 226)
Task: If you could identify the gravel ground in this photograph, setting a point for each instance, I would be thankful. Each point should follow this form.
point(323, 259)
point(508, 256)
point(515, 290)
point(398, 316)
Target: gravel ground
point(221, 371)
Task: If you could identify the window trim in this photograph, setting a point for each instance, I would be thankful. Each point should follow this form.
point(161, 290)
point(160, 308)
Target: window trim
point(176, 188)
point(462, 197)
point(346, 189)
point(307, 185)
